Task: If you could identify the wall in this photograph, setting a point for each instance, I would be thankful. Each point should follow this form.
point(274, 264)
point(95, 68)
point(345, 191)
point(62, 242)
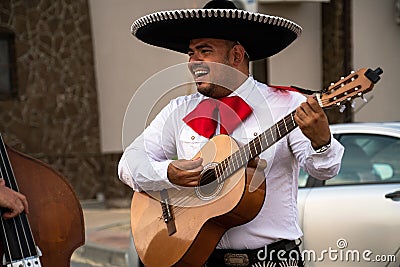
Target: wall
point(300, 63)
point(376, 44)
point(55, 78)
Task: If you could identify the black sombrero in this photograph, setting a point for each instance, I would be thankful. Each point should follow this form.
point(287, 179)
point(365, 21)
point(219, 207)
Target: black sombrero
point(261, 35)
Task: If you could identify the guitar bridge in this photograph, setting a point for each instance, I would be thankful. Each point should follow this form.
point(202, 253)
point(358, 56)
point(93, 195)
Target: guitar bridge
point(167, 212)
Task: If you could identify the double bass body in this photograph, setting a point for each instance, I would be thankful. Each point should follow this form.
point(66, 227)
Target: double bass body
point(55, 214)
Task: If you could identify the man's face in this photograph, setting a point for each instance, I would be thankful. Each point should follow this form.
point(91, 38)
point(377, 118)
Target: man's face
point(209, 77)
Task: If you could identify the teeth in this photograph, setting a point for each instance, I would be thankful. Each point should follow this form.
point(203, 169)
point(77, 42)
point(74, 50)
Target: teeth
point(200, 72)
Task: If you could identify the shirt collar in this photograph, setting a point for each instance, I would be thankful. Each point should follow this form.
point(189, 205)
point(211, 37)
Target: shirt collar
point(246, 89)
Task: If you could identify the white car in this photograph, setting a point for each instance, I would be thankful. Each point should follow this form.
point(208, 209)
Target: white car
point(353, 219)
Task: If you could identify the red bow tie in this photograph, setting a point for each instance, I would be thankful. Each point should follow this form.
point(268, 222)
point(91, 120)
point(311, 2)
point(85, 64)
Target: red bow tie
point(204, 118)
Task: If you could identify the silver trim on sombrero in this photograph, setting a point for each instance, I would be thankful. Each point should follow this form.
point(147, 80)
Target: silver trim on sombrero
point(215, 13)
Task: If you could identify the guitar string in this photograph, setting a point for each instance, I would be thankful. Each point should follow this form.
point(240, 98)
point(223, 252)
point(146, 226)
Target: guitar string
point(258, 142)
point(8, 176)
point(286, 122)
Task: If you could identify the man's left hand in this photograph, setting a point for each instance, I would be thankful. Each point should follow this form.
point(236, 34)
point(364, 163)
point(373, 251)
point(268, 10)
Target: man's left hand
point(313, 122)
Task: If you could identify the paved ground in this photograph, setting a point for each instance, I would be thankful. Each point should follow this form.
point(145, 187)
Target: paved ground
point(108, 242)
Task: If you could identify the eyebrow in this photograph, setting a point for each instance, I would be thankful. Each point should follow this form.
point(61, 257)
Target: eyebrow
point(200, 46)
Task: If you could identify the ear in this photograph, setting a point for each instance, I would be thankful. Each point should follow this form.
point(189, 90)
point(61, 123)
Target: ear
point(238, 53)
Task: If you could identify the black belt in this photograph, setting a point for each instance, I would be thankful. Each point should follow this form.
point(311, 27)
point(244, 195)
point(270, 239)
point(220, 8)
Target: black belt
point(245, 257)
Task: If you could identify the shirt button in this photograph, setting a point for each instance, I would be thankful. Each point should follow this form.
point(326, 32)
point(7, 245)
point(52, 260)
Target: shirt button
point(255, 134)
point(192, 137)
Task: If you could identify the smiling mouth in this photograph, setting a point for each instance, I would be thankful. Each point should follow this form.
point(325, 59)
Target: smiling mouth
point(199, 70)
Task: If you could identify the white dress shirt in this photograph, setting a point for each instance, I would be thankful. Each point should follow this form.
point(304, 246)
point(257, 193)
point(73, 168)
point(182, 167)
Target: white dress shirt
point(144, 163)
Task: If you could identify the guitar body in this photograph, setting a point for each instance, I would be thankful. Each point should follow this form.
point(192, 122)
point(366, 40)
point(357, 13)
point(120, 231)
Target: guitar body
point(199, 221)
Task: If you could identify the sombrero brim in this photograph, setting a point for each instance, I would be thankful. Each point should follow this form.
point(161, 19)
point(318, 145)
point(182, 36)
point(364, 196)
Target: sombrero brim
point(261, 35)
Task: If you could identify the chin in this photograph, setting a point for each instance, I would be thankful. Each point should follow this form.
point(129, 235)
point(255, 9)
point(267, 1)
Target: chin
point(204, 89)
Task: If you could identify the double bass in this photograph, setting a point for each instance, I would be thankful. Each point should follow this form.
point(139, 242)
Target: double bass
point(55, 227)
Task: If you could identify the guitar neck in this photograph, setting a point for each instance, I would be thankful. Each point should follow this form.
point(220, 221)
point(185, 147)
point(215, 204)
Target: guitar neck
point(255, 147)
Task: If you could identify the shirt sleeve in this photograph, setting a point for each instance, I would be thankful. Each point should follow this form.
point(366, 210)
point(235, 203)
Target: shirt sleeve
point(144, 163)
point(324, 165)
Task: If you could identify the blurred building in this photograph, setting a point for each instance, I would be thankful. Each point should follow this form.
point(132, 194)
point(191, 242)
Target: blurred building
point(69, 70)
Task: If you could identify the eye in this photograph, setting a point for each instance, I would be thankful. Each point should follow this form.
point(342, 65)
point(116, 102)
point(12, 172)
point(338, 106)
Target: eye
point(205, 50)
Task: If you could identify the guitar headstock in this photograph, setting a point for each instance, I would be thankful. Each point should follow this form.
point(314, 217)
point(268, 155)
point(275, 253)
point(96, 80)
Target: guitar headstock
point(346, 89)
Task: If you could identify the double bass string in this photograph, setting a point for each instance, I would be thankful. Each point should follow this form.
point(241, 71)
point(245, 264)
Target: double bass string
point(17, 223)
point(5, 175)
point(7, 247)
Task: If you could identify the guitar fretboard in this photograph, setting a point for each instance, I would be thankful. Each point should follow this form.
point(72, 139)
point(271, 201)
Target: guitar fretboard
point(255, 147)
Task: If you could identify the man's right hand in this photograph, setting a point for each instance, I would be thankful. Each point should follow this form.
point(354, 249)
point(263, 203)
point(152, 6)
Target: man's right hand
point(13, 201)
point(184, 172)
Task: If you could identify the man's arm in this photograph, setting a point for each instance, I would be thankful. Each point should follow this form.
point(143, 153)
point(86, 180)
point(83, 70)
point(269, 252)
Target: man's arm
point(314, 125)
point(147, 164)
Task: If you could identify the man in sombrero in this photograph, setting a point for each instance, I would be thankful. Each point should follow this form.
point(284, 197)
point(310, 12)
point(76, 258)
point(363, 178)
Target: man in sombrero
point(220, 41)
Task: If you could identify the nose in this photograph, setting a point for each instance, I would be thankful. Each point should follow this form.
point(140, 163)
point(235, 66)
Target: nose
point(192, 65)
point(192, 58)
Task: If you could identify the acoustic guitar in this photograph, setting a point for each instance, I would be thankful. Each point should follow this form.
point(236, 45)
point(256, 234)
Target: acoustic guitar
point(181, 227)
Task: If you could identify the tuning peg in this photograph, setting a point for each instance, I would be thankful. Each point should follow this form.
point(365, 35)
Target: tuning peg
point(363, 97)
point(342, 108)
point(373, 75)
point(352, 72)
point(353, 104)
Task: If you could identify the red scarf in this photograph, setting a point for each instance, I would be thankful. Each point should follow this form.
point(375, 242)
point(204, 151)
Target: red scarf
point(204, 118)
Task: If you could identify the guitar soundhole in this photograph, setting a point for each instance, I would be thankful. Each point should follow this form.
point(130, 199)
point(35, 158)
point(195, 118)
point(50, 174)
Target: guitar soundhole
point(208, 187)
